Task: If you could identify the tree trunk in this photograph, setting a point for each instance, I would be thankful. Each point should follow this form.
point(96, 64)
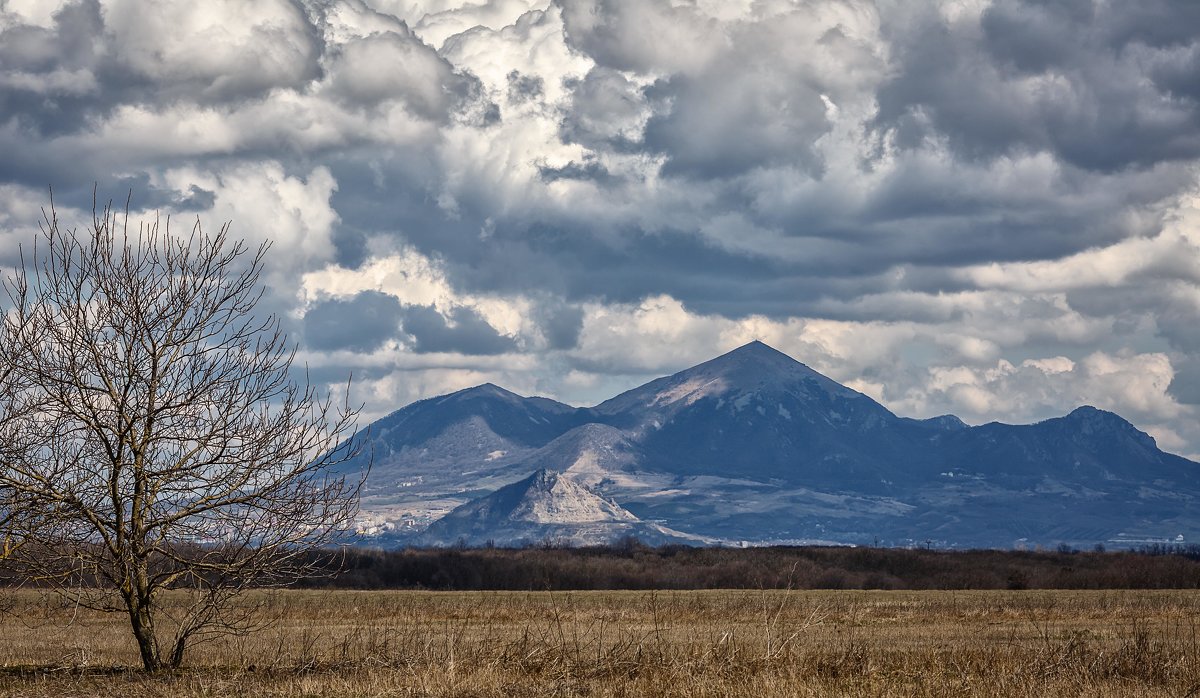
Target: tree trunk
point(177, 653)
point(143, 630)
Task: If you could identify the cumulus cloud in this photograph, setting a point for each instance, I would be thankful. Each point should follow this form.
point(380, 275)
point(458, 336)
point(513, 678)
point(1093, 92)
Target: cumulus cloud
point(1134, 385)
point(219, 50)
point(267, 203)
point(987, 207)
point(396, 65)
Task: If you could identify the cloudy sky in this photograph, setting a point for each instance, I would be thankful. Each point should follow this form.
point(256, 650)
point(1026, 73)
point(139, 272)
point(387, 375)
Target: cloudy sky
point(985, 208)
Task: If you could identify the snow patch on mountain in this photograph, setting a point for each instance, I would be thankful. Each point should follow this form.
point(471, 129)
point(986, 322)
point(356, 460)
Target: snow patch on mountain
point(691, 390)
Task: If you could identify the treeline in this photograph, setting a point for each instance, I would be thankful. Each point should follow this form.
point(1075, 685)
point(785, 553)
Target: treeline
point(633, 566)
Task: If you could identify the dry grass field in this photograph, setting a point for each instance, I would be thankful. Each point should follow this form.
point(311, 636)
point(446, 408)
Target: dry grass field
point(684, 643)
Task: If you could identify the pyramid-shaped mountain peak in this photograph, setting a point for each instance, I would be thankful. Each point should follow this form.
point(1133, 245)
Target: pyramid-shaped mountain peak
point(751, 369)
point(548, 497)
point(758, 346)
point(485, 390)
point(758, 365)
point(542, 481)
point(757, 351)
point(756, 354)
point(544, 506)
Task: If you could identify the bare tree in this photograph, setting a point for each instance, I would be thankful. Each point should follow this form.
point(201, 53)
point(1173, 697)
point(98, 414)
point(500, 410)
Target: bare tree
point(168, 453)
point(15, 444)
point(21, 511)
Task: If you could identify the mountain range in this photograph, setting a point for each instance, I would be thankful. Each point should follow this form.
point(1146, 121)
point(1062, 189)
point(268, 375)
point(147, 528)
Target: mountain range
point(754, 447)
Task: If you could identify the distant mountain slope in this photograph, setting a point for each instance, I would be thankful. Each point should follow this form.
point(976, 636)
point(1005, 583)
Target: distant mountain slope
point(1088, 442)
point(435, 443)
point(591, 453)
point(546, 506)
point(511, 419)
point(755, 446)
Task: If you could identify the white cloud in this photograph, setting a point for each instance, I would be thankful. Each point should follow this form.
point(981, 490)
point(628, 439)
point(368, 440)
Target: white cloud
point(416, 280)
point(435, 27)
point(216, 48)
point(264, 202)
point(1134, 385)
point(38, 13)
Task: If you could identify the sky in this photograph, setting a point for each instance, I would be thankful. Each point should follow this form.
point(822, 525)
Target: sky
point(990, 209)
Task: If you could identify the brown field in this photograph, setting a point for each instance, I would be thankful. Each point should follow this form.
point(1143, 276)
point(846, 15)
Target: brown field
point(680, 643)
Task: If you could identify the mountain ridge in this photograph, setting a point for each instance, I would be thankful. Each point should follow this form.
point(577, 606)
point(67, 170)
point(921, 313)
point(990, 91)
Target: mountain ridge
point(755, 446)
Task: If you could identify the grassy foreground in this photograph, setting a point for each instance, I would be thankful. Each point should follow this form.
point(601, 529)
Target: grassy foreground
point(681, 643)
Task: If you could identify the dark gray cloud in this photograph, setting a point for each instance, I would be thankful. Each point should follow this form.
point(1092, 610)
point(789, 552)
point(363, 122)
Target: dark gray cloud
point(361, 323)
point(726, 122)
point(93, 64)
point(605, 111)
point(55, 76)
point(143, 194)
point(625, 266)
point(1076, 79)
point(94, 59)
point(560, 324)
point(636, 36)
point(1155, 23)
point(463, 331)
point(1185, 386)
